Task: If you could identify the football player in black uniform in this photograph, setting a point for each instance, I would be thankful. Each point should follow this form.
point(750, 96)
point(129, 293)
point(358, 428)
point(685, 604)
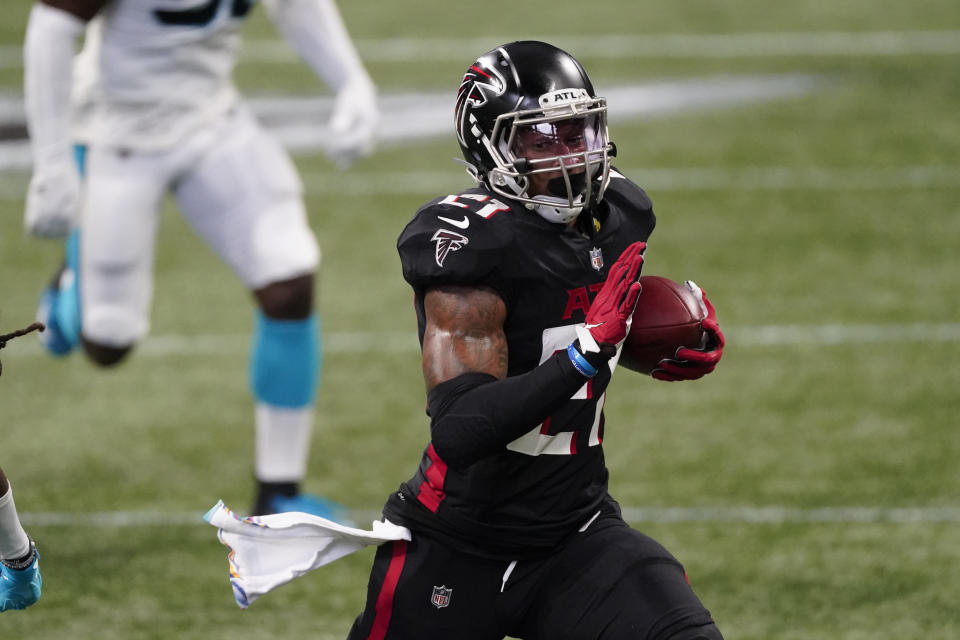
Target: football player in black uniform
point(524, 287)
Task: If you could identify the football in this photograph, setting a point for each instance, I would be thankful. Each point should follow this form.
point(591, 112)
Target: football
point(667, 317)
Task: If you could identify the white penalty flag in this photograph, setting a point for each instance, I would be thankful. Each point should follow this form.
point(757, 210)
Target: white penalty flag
point(269, 551)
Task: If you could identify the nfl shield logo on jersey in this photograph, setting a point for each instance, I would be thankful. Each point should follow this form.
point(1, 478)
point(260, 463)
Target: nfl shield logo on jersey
point(596, 258)
point(441, 596)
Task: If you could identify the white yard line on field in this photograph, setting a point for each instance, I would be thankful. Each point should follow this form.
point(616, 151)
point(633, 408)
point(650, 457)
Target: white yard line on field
point(679, 45)
point(656, 515)
point(653, 179)
point(666, 179)
point(299, 122)
point(398, 341)
point(726, 45)
point(402, 341)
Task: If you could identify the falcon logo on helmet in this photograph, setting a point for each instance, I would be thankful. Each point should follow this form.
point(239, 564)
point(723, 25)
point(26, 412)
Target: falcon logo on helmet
point(480, 83)
point(447, 241)
point(526, 93)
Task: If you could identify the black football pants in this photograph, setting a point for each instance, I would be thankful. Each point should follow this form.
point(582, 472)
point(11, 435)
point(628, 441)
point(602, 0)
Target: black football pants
point(610, 582)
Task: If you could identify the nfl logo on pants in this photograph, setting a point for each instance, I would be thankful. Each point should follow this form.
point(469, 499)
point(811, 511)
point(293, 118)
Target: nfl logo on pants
point(441, 596)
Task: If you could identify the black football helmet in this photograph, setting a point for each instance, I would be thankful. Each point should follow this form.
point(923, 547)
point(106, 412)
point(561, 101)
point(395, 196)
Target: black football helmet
point(532, 90)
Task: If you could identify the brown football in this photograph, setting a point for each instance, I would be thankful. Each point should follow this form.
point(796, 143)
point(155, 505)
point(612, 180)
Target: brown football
point(666, 318)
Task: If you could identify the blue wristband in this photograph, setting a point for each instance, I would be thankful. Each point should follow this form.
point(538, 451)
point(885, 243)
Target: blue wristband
point(580, 363)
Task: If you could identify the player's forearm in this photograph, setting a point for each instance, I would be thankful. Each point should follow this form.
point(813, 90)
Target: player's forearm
point(475, 415)
point(316, 32)
point(48, 72)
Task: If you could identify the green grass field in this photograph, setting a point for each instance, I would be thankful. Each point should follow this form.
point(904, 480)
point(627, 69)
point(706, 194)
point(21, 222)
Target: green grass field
point(810, 485)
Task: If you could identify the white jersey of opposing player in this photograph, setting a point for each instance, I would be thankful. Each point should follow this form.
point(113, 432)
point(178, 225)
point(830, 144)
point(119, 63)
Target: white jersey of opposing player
point(154, 71)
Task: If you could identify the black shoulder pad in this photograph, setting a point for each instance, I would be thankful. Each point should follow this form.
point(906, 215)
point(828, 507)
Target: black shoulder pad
point(629, 206)
point(457, 239)
point(626, 190)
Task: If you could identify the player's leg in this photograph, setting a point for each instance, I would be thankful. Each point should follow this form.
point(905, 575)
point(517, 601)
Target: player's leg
point(613, 582)
point(422, 589)
point(244, 198)
point(59, 307)
point(124, 192)
point(20, 581)
point(285, 365)
point(108, 258)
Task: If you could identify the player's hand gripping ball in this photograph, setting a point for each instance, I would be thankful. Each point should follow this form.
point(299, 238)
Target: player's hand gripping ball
point(674, 334)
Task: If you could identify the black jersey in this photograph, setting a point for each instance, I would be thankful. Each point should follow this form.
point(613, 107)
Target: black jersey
point(546, 484)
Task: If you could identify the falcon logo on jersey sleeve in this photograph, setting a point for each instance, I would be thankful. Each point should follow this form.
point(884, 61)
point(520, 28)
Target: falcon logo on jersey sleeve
point(447, 241)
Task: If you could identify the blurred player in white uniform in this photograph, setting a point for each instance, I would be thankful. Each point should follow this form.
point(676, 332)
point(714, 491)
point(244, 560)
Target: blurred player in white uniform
point(149, 108)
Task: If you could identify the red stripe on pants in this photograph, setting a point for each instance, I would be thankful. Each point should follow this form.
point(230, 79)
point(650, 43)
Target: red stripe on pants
point(384, 605)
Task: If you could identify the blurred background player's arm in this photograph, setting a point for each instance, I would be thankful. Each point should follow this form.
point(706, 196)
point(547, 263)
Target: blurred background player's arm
point(53, 197)
point(316, 32)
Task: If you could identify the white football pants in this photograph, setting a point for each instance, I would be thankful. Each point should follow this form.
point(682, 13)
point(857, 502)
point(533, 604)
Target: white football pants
point(234, 184)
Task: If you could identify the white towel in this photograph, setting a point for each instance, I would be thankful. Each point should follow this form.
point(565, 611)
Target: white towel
point(269, 551)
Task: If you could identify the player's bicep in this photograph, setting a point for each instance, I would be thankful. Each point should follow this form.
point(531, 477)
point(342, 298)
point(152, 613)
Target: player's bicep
point(463, 333)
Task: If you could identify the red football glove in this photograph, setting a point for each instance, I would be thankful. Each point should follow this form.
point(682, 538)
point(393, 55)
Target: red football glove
point(611, 309)
point(691, 364)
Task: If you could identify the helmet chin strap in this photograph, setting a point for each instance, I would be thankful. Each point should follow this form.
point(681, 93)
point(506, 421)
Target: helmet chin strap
point(555, 209)
point(558, 186)
point(552, 208)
